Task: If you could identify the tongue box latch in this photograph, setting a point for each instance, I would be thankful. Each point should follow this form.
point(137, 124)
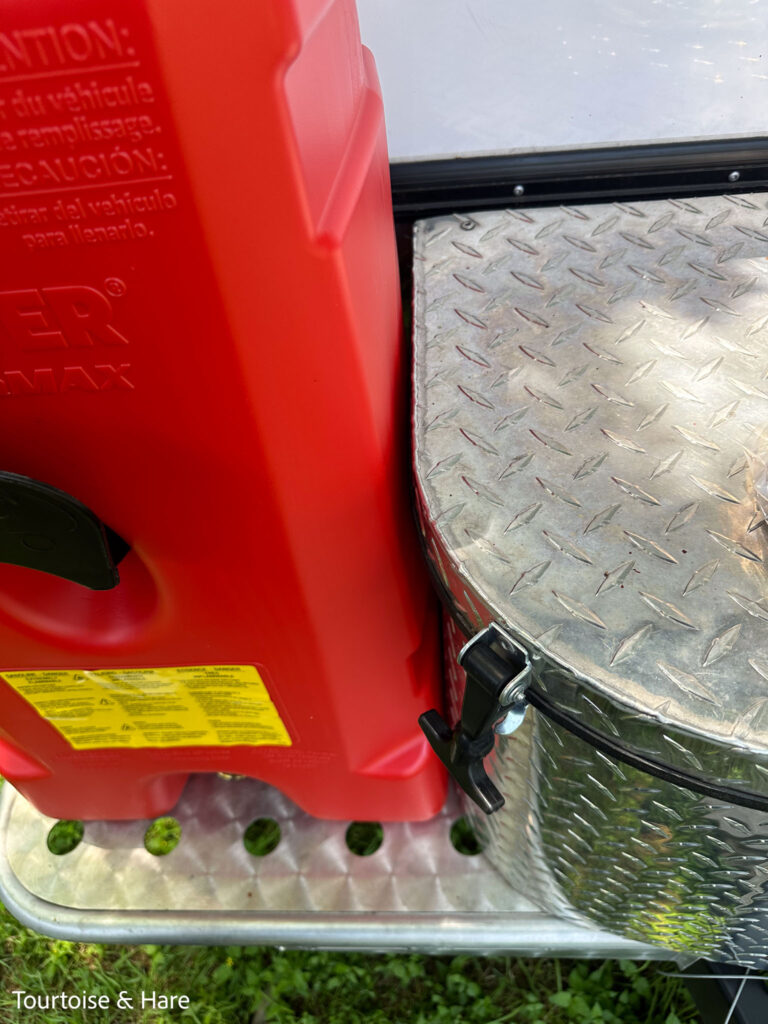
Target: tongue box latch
point(497, 674)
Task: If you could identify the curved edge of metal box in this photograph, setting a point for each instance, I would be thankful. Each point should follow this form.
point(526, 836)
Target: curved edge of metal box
point(612, 747)
point(536, 697)
point(533, 934)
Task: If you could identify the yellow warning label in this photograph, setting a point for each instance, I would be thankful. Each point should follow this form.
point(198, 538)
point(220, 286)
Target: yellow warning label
point(200, 706)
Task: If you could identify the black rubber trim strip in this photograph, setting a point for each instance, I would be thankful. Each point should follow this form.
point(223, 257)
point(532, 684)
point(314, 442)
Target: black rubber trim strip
point(427, 187)
point(626, 755)
point(612, 747)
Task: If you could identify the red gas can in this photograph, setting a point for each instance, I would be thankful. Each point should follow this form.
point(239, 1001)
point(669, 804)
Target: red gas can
point(203, 488)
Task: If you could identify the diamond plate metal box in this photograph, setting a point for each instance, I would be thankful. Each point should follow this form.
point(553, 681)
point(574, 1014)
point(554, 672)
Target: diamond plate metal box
point(590, 403)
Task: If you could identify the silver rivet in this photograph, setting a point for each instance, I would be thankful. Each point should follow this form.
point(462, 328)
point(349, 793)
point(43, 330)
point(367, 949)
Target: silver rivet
point(734, 176)
point(518, 190)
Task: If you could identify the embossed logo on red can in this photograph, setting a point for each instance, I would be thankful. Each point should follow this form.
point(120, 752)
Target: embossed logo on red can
point(55, 318)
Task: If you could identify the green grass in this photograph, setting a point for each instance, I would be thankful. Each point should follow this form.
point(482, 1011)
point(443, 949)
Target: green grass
point(65, 836)
point(162, 836)
point(235, 985)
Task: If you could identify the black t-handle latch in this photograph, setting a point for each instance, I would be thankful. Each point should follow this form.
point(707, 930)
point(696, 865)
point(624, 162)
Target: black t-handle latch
point(497, 672)
point(46, 529)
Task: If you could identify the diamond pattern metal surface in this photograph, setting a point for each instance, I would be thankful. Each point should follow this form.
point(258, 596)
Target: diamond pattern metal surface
point(415, 892)
point(586, 418)
point(416, 868)
point(588, 394)
point(599, 842)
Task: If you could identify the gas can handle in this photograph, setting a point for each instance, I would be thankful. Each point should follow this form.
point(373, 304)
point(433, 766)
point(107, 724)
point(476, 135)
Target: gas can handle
point(47, 529)
point(498, 672)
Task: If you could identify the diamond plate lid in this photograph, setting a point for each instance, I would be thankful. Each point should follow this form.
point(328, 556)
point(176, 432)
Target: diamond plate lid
point(590, 386)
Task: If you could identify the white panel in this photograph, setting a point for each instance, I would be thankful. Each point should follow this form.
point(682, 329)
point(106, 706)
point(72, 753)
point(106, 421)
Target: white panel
point(464, 77)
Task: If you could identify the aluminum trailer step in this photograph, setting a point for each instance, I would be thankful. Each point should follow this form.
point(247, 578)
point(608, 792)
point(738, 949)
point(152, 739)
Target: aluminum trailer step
point(415, 893)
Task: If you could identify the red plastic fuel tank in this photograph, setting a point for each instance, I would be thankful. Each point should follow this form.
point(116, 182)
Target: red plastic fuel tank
point(200, 341)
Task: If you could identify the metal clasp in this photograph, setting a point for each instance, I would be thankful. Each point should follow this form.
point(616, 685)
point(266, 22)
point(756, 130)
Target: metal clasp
point(498, 672)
